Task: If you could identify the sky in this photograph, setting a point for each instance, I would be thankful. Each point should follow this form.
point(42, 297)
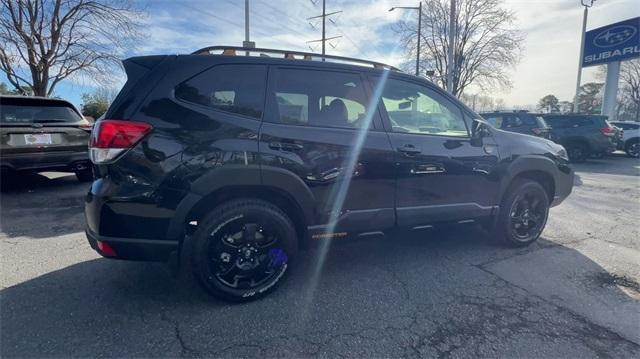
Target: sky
point(548, 65)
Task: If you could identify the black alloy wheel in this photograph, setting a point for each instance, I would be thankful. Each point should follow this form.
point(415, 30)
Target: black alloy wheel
point(527, 215)
point(245, 255)
point(523, 213)
point(242, 249)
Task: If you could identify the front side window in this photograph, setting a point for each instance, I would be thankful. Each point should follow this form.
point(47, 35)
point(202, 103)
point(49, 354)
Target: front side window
point(319, 98)
point(418, 109)
point(237, 89)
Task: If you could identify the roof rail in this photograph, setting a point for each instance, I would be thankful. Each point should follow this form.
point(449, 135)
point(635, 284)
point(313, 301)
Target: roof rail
point(288, 54)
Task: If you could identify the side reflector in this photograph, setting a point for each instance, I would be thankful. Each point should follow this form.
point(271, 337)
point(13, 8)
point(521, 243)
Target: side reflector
point(105, 249)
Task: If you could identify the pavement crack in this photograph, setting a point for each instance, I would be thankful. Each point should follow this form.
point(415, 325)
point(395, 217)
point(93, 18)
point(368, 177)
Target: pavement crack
point(185, 350)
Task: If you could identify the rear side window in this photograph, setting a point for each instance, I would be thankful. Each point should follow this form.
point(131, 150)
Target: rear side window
point(36, 111)
point(580, 122)
point(495, 120)
point(568, 122)
point(319, 98)
point(513, 121)
point(529, 120)
point(237, 89)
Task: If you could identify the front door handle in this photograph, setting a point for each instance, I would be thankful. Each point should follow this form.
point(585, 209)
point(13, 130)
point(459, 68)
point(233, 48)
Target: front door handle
point(286, 146)
point(409, 150)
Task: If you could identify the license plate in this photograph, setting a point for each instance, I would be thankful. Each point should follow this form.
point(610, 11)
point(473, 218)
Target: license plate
point(38, 139)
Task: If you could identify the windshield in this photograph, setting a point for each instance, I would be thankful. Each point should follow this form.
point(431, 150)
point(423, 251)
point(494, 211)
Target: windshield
point(16, 114)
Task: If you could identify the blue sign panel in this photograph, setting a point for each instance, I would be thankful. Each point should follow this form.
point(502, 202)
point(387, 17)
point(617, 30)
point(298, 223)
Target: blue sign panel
point(615, 42)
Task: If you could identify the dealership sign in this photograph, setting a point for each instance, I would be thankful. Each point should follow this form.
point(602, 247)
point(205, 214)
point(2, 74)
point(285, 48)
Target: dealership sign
point(615, 42)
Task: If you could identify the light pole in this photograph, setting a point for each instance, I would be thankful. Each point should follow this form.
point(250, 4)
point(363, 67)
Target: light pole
point(452, 40)
point(419, 8)
point(587, 4)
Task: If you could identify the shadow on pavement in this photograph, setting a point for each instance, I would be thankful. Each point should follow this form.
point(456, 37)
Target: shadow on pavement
point(28, 181)
point(411, 285)
point(42, 205)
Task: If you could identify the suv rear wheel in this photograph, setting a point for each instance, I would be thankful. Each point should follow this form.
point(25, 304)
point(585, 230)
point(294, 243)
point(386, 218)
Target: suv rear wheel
point(633, 148)
point(523, 213)
point(577, 152)
point(242, 249)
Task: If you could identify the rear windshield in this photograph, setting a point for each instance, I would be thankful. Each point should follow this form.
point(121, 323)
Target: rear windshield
point(43, 112)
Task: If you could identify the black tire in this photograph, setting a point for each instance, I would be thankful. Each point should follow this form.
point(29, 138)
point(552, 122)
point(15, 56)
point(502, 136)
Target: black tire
point(523, 213)
point(632, 148)
point(85, 175)
point(248, 241)
point(577, 152)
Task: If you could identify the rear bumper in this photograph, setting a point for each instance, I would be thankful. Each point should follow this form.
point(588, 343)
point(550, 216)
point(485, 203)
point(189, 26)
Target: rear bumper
point(134, 248)
point(42, 161)
point(604, 146)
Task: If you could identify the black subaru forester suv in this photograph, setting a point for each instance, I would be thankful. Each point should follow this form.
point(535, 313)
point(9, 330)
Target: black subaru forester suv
point(244, 159)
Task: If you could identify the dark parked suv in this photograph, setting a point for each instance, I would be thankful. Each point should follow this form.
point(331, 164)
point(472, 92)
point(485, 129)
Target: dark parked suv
point(518, 121)
point(582, 135)
point(43, 134)
point(241, 160)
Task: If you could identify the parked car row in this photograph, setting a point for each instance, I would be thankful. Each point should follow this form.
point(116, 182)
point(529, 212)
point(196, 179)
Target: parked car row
point(582, 135)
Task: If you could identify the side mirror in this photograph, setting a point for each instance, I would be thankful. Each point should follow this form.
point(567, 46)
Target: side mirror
point(479, 130)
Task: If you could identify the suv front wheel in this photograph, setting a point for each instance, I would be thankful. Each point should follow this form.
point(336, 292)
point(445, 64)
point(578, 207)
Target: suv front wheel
point(523, 213)
point(242, 249)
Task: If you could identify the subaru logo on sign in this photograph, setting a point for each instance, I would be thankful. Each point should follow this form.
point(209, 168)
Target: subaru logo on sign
point(614, 36)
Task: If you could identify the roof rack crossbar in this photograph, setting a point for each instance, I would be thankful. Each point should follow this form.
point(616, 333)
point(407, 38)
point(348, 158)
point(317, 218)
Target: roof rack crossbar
point(289, 54)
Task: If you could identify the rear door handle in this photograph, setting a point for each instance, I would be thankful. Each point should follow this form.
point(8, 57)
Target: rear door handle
point(286, 146)
point(427, 169)
point(409, 150)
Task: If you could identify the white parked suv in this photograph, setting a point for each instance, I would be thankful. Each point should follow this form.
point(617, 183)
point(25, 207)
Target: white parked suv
point(630, 138)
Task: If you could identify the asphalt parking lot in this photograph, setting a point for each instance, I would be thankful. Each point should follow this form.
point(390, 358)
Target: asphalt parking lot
point(440, 293)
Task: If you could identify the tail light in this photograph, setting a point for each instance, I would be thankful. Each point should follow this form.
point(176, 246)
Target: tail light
point(608, 131)
point(110, 138)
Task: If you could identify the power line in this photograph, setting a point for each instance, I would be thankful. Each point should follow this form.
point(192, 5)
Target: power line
point(324, 17)
point(348, 38)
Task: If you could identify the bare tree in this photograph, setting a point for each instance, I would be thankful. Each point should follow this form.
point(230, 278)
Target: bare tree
point(630, 88)
point(486, 47)
point(46, 41)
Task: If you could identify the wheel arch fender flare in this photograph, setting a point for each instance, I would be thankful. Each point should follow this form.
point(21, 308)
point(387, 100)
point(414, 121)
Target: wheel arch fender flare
point(527, 164)
point(631, 140)
point(242, 176)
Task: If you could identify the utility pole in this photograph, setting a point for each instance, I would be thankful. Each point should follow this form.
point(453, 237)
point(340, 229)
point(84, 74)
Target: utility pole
point(247, 42)
point(587, 4)
point(324, 32)
point(419, 8)
point(452, 40)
